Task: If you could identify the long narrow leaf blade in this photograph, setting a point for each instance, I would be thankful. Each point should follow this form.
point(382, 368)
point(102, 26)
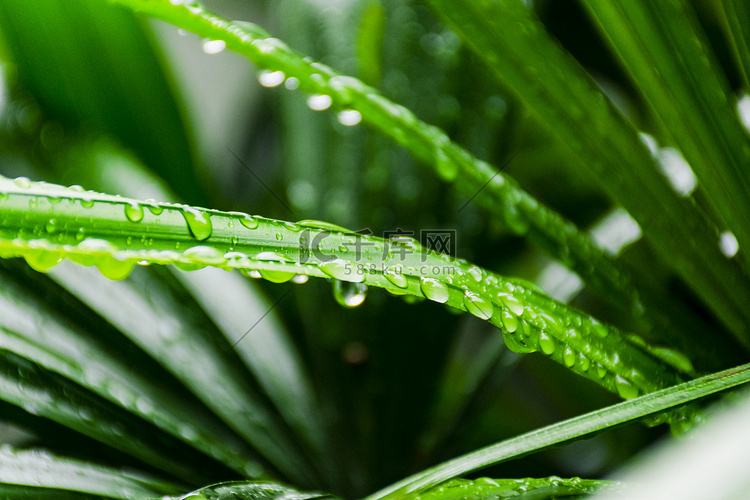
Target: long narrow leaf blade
point(569, 430)
point(516, 46)
point(39, 469)
point(496, 192)
point(120, 232)
point(669, 61)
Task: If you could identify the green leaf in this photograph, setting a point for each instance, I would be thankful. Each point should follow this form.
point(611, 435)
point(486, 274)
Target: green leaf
point(41, 474)
point(31, 329)
point(115, 233)
point(250, 491)
point(524, 57)
point(737, 19)
point(52, 42)
point(158, 323)
point(520, 489)
point(568, 430)
point(48, 395)
point(496, 192)
point(670, 62)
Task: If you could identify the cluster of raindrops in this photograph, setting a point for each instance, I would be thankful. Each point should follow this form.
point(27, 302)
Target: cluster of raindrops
point(529, 321)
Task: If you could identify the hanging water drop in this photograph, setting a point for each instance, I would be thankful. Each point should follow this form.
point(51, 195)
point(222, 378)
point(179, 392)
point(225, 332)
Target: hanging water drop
point(271, 78)
point(275, 276)
point(291, 83)
point(319, 102)
point(434, 289)
point(510, 322)
point(198, 222)
point(300, 279)
point(342, 270)
point(569, 357)
point(515, 344)
point(396, 276)
point(625, 388)
point(349, 294)
point(214, 46)
point(350, 117)
point(134, 211)
point(248, 221)
point(546, 344)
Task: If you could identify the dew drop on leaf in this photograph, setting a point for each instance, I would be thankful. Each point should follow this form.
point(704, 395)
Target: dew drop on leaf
point(546, 344)
point(51, 226)
point(271, 78)
point(319, 102)
point(342, 270)
point(396, 276)
point(478, 305)
point(434, 289)
point(248, 221)
point(625, 388)
point(198, 222)
point(42, 260)
point(134, 212)
point(512, 303)
point(510, 322)
point(349, 294)
point(569, 357)
point(515, 344)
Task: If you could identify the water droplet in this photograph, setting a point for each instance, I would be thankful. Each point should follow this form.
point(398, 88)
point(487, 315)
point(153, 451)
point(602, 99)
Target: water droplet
point(342, 270)
point(349, 294)
point(478, 305)
point(625, 388)
point(510, 322)
point(275, 276)
point(214, 46)
point(512, 303)
point(516, 344)
point(248, 221)
point(300, 279)
point(42, 260)
point(319, 102)
point(728, 244)
point(271, 78)
point(434, 289)
point(85, 203)
point(600, 370)
point(291, 83)
point(396, 276)
point(569, 357)
point(447, 169)
point(205, 254)
point(52, 226)
point(279, 236)
point(154, 207)
point(585, 362)
point(476, 273)
point(350, 117)
point(114, 269)
point(546, 344)
point(597, 328)
point(134, 211)
point(22, 182)
point(198, 222)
